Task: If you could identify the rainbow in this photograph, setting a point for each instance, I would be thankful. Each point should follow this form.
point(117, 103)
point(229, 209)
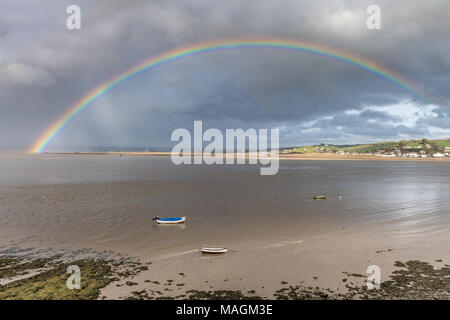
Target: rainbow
point(47, 137)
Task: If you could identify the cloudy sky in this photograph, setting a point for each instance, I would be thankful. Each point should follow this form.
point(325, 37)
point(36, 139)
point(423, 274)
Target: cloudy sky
point(45, 68)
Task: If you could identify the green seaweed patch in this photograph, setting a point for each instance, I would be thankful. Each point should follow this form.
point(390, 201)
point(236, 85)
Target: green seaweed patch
point(11, 266)
point(414, 280)
point(51, 284)
point(300, 292)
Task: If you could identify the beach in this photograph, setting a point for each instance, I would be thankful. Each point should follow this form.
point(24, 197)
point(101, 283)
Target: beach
point(278, 236)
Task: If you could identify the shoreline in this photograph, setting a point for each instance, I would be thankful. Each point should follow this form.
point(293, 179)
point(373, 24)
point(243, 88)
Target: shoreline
point(406, 273)
point(305, 156)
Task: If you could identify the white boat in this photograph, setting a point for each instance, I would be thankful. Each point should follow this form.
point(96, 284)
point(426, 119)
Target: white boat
point(170, 220)
point(213, 249)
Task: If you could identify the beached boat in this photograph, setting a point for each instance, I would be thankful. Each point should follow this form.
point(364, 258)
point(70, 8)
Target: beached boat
point(319, 197)
point(213, 249)
point(170, 220)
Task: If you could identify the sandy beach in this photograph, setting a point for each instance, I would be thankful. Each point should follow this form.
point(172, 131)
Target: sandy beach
point(376, 213)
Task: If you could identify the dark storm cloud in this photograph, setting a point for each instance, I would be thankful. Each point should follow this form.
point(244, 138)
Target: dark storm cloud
point(45, 68)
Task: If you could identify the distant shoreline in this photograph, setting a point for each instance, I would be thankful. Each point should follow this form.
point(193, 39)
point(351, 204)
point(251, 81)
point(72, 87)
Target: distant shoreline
point(291, 156)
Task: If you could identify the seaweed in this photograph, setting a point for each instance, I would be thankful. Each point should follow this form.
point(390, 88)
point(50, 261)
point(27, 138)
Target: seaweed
point(51, 284)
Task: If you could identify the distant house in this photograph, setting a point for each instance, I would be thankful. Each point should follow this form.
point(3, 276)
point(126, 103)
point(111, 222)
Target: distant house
point(413, 155)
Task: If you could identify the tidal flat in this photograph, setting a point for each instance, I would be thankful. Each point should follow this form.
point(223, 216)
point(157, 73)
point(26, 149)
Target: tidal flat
point(26, 278)
point(97, 210)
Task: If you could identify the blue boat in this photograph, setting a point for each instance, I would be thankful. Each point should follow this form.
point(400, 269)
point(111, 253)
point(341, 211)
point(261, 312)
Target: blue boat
point(170, 220)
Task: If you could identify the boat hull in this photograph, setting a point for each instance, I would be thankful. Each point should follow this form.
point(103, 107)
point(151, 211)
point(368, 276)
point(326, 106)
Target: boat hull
point(213, 250)
point(171, 220)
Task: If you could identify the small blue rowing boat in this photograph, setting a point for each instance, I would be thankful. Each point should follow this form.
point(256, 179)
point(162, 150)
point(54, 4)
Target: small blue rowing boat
point(170, 220)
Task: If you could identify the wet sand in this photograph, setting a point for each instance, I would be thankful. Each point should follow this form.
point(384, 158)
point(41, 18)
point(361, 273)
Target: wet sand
point(276, 233)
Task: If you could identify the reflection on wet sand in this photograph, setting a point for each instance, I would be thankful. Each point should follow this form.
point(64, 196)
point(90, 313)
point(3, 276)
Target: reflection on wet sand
point(163, 227)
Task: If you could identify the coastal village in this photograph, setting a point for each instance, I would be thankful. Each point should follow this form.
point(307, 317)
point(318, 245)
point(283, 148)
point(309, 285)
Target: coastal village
point(401, 149)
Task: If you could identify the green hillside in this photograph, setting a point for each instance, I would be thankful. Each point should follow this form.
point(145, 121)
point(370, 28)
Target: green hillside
point(429, 146)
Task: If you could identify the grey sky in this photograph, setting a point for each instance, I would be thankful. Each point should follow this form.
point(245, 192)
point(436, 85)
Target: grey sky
point(45, 68)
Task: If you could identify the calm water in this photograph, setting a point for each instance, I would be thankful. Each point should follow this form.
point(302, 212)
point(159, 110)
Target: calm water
point(109, 201)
